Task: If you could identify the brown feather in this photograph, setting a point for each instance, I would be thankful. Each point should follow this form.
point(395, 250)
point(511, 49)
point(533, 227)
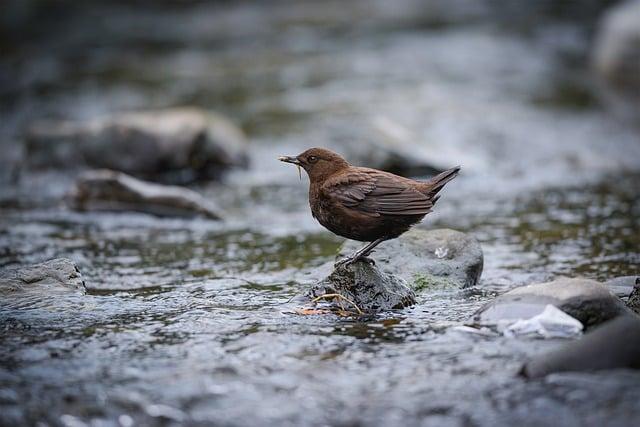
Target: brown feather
point(375, 192)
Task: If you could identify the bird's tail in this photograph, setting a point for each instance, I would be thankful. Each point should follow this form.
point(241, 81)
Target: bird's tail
point(432, 187)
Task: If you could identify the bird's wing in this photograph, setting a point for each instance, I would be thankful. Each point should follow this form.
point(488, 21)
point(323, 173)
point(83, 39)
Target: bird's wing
point(376, 193)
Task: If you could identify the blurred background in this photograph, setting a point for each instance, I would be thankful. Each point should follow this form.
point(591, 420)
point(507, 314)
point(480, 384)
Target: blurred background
point(539, 102)
point(525, 96)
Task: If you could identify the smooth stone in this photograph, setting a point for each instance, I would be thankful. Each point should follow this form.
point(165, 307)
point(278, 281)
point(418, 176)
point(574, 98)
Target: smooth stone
point(174, 145)
point(616, 53)
point(428, 258)
point(586, 300)
point(370, 289)
point(59, 273)
point(107, 190)
point(613, 345)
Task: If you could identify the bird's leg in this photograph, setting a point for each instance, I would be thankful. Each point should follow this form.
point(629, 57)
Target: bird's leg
point(361, 254)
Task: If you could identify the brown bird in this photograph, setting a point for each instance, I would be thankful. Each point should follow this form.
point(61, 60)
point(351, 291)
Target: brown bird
point(365, 204)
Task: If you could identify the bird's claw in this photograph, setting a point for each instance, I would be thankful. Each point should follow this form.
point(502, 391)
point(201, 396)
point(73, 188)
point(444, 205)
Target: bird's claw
point(345, 262)
point(368, 260)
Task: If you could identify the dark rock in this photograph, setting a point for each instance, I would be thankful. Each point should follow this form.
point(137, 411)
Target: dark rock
point(634, 298)
point(613, 345)
point(622, 286)
point(107, 190)
point(588, 301)
point(365, 286)
point(59, 273)
point(429, 258)
point(176, 145)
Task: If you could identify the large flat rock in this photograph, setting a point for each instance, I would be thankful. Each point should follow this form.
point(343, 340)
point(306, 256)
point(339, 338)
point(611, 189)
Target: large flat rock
point(428, 258)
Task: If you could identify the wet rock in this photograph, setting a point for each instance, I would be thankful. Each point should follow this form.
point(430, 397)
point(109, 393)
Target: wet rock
point(60, 273)
point(429, 258)
point(364, 285)
point(588, 301)
point(175, 145)
point(613, 345)
point(107, 190)
point(617, 48)
point(622, 286)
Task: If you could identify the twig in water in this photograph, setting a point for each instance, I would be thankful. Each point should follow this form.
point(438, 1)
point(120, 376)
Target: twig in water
point(325, 296)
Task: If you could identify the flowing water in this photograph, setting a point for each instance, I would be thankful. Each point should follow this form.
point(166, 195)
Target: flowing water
point(189, 321)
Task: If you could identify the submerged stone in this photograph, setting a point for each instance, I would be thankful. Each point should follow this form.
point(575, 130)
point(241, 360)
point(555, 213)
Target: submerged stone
point(587, 300)
point(614, 345)
point(174, 145)
point(107, 190)
point(363, 287)
point(429, 258)
point(59, 273)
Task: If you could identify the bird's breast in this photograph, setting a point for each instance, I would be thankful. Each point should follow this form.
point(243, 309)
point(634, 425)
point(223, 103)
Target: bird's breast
point(339, 219)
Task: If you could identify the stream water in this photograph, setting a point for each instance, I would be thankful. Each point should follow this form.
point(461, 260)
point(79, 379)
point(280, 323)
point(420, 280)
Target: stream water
point(186, 321)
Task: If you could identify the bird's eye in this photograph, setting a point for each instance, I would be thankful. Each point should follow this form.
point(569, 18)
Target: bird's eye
point(312, 159)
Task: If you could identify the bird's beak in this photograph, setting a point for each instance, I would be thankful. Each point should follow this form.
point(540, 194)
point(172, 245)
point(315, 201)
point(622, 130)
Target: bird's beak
point(294, 160)
point(289, 159)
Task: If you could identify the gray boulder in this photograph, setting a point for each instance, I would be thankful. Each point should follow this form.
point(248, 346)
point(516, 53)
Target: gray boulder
point(107, 190)
point(428, 258)
point(617, 48)
point(175, 145)
point(363, 288)
point(613, 345)
point(59, 274)
point(586, 300)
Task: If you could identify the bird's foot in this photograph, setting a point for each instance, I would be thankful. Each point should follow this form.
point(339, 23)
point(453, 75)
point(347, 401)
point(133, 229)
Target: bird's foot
point(345, 262)
point(368, 260)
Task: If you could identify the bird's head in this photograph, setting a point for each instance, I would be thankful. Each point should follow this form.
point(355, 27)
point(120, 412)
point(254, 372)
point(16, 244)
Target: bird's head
point(319, 163)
